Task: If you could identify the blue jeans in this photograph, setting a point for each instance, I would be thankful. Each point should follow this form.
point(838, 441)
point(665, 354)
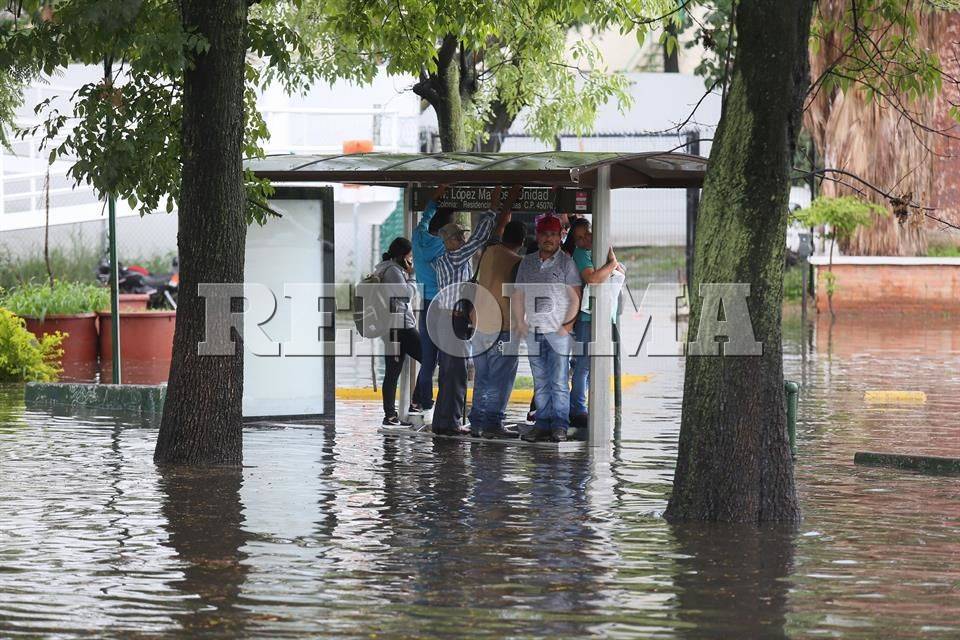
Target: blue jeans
point(581, 370)
point(428, 361)
point(494, 374)
point(551, 379)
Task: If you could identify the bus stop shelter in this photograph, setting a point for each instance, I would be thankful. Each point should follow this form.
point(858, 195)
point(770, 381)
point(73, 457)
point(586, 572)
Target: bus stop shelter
point(570, 182)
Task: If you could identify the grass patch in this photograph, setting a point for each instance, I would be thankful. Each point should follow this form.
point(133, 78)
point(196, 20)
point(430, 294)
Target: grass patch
point(943, 251)
point(646, 265)
point(75, 262)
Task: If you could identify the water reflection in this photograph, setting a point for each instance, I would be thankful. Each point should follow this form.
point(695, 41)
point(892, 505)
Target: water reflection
point(733, 581)
point(340, 532)
point(204, 522)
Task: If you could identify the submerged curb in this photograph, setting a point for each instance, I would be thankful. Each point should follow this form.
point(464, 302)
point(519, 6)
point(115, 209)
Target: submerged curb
point(142, 398)
point(925, 464)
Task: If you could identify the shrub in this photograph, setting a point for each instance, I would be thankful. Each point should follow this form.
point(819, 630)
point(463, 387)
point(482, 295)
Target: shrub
point(23, 357)
point(943, 251)
point(39, 299)
point(793, 283)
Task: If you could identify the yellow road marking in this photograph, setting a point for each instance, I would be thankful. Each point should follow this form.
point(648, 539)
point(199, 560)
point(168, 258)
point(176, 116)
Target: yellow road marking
point(905, 397)
point(518, 396)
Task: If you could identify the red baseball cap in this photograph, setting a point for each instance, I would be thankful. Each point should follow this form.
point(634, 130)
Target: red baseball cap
point(549, 223)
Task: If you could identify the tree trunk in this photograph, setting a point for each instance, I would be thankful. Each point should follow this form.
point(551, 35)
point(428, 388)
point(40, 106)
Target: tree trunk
point(449, 107)
point(734, 462)
point(671, 58)
point(202, 420)
point(446, 90)
point(497, 127)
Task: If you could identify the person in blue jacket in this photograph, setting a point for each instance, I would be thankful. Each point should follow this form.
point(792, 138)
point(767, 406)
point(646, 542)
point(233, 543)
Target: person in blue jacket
point(427, 247)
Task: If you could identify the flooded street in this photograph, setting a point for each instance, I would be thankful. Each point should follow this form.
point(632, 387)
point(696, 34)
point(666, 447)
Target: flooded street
point(337, 531)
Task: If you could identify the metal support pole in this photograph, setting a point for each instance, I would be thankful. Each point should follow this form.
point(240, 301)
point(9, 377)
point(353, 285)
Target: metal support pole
point(114, 289)
point(114, 265)
point(601, 366)
point(409, 370)
point(617, 382)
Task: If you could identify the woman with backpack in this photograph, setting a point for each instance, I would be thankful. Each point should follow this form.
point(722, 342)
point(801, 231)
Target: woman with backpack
point(397, 269)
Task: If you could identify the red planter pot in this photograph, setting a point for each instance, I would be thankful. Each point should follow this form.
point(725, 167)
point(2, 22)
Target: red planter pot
point(81, 345)
point(144, 335)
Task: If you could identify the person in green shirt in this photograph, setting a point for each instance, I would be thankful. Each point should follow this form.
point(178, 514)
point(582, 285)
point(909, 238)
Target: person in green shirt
point(583, 258)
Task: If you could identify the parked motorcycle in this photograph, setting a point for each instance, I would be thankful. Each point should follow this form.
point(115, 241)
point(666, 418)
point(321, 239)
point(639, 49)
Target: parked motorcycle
point(134, 278)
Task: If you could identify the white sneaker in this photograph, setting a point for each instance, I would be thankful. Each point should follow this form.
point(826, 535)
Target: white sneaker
point(427, 416)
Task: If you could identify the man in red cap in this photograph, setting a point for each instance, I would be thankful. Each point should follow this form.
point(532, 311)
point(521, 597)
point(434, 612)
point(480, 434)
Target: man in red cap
point(544, 308)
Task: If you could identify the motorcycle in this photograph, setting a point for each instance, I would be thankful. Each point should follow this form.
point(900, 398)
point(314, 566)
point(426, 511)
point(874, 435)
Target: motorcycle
point(162, 288)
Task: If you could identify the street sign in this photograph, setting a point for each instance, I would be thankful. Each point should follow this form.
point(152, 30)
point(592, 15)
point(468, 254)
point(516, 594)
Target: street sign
point(533, 199)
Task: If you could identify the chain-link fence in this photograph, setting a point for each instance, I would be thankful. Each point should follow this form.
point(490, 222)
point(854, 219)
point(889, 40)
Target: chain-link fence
point(651, 228)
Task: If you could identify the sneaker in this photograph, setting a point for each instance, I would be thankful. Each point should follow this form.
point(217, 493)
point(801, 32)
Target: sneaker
point(537, 433)
point(452, 431)
point(500, 433)
point(415, 408)
point(531, 416)
point(559, 434)
point(427, 415)
point(395, 421)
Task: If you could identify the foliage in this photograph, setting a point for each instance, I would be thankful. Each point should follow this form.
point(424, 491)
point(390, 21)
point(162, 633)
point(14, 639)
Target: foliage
point(871, 44)
point(122, 132)
point(717, 35)
point(943, 251)
point(843, 215)
point(39, 299)
point(512, 55)
point(793, 283)
point(75, 262)
point(25, 358)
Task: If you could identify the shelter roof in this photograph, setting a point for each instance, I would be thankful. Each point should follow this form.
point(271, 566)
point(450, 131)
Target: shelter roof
point(553, 168)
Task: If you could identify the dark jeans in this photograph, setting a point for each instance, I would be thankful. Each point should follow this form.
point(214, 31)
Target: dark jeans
point(494, 375)
point(428, 361)
point(409, 343)
point(452, 391)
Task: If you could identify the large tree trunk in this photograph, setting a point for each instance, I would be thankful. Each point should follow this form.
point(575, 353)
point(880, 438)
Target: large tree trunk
point(202, 414)
point(449, 106)
point(734, 461)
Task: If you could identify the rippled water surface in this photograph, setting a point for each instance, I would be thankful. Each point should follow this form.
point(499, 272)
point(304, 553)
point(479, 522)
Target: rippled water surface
point(339, 532)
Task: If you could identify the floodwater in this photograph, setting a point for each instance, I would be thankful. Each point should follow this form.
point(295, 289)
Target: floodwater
point(337, 531)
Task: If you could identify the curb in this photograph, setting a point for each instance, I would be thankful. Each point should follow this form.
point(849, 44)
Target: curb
point(141, 398)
